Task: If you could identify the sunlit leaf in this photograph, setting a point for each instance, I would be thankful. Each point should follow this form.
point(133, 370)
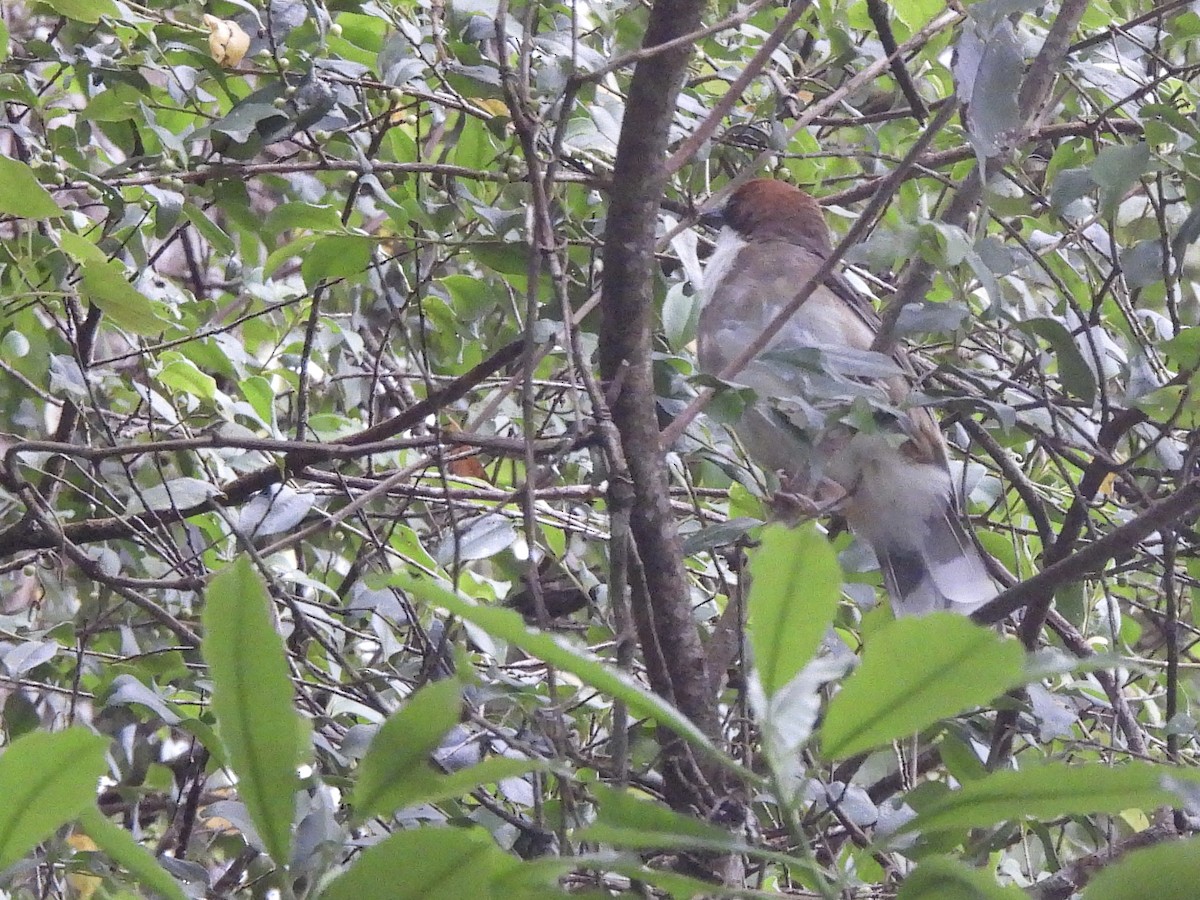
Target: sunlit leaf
point(914, 672)
point(793, 595)
point(46, 779)
point(22, 195)
point(253, 701)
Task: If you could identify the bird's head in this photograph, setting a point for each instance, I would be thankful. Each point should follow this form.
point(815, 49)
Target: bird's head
point(768, 210)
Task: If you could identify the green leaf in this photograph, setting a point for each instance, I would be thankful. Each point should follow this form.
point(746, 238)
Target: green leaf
point(261, 396)
point(302, 216)
point(454, 784)
point(940, 878)
point(1169, 871)
point(1117, 169)
point(631, 822)
point(105, 284)
point(1183, 350)
point(80, 248)
point(425, 864)
point(915, 13)
point(253, 701)
point(793, 597)
point(119, 845)
point(1177, 403)
point(46, 779)
point(625, 820)
point(1077, 376)
point(22, 195)
point(1050, 791)
point(88, 11)
point(508, 626)
point(181, 374)
point(336, 256)
point(914, 672)
point(399, 754)
point(505, 257)
point(209, 229)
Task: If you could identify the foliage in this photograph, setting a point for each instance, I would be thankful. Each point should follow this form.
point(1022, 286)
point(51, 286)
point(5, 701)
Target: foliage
point(315, 525)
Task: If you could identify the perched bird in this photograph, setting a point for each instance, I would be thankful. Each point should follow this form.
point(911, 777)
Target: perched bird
point(830, 415)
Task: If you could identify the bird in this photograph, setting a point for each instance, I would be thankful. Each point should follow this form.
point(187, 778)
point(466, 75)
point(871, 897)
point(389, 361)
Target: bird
point(830, 416)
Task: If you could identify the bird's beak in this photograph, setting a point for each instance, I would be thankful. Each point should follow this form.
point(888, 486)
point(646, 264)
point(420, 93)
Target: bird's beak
point(713, 218)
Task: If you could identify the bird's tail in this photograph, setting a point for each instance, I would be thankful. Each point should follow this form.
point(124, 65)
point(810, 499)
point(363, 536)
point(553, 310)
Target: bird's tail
point(932, 566)
point(907, 514)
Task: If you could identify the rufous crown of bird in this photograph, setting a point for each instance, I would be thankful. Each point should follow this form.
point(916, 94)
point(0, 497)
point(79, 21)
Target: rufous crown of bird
point(832, 418)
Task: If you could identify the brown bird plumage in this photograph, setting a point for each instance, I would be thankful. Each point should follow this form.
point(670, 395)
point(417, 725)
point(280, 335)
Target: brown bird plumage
point(890, 470)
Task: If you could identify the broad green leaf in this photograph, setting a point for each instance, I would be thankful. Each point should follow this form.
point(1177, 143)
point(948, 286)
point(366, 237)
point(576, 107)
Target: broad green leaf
point(302, 216)
point(914, 672)
point(253, 701)
point(105, 284)
point(1168, 871)
point(212, 232)
point(793, 596)
point(336, 256)
point(1183, 350)
point(22, 195)
point(80, 248)
point(88, 11)
point(1117, 169)
point(1077, 376)
point(119, 846)
point(1050, 791)
point(508, 626)
point(398, 757)
point(427, 863)
point(505, 257)
point(455, 784)
point(915, 13)
point(625, 820)
point(181, 374)
point(46, 779)
point(1175, 402)
point(940, 878)
point(261, 396)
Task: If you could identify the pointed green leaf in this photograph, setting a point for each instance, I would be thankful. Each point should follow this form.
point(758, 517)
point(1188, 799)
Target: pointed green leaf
point(939, 878)
point(1050, 791)
point(336, 256)
point(1169, 871)
point(914, 672)
point(105, 284)
point(399, 754)
point(425, 864)
point(46, 779)
point(793, 596)
point(625, 820)
point(88, 11)
point(455, 784)
point(253, 701)
point(22, 195)
point(119, 846)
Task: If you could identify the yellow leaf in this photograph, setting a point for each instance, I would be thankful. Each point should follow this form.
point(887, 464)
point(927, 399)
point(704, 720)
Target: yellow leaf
point(492, 107)
point(226, 41)
point(82, 886)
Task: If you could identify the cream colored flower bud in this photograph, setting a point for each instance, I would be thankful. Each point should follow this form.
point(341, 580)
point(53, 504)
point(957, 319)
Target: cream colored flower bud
point(226, 41)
